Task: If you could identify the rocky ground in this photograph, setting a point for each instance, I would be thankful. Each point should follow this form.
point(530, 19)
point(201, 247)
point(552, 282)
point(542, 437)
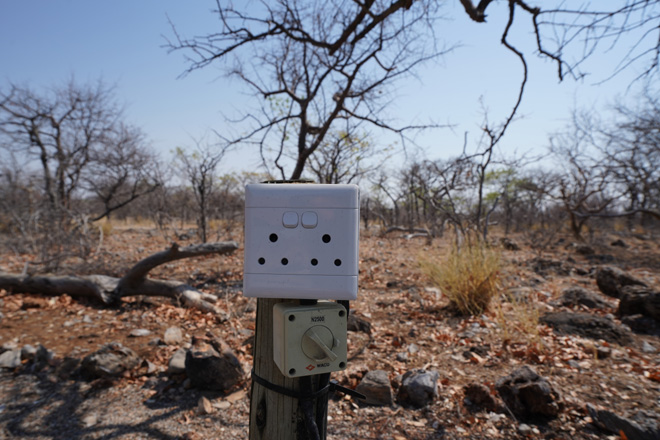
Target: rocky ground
point(556, 357)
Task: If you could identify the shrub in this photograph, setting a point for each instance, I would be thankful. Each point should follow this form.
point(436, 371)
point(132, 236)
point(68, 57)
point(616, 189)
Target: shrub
point(468, 276)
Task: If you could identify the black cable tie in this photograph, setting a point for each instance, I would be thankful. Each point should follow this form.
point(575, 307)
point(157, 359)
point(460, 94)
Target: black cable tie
point(287, 392)
point(334, 386)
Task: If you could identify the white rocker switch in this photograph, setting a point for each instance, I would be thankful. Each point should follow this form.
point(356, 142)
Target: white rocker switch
point(310, 220)
point(290, 219)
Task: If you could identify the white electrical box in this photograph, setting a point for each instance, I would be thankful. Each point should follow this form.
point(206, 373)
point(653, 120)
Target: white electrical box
point(309, 339)
point(301, 241)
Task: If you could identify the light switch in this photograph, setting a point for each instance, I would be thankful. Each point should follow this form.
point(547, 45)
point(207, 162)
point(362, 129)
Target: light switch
point(310, 220)
point(290, 219)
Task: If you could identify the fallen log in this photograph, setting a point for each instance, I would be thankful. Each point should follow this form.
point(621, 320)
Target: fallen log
point(109, 290)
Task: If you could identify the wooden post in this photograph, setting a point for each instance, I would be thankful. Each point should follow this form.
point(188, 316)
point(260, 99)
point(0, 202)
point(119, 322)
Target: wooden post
point(275, 416)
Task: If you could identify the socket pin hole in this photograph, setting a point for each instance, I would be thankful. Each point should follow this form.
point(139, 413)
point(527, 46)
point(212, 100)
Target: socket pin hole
point(314, 261)
point(273, 238)
point(337, 262)
point(341, 365)
point(285, 261)
point(292, 318)
point(292, 371)
point(262, 261)
point(341, 313)
point(326, 238)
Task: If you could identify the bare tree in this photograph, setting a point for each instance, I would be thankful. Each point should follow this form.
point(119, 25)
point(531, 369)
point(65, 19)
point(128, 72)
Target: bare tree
point(315, 64)
point(610, 167)
point(200, 168)
point(345, 157)
point(74, 139)
point(60, 130)
point(631, 148)
point(122, 172)
point(584, 187)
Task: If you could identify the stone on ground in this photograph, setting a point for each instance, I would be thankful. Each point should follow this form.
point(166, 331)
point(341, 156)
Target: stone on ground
point(527, 394)
point(375, 385)
point(419, 388)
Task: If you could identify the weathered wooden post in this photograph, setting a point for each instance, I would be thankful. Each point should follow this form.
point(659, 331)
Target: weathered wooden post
point(274, 415)
point(301, 245)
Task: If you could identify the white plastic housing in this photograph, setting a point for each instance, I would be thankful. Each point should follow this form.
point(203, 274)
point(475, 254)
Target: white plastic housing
point(301, 241)
point(309, 339)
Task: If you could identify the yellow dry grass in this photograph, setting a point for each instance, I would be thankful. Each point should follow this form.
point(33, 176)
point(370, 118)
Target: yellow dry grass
point(469, 276)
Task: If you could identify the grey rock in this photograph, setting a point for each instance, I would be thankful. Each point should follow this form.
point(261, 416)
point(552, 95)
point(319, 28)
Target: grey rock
point(588, 326)
point(642, 324)
point(213, 367)
point(611, 280)
point(10, 345)
point(639, 300)
point(67, 367)
point(479, 397)
point(111, 360)
point(358, 324)
point(509, 244)
point(177, 364)
point(581, 248)
point(28, 352)
point(600, 258)
point(375, 385)
point(545, 267)
point(574, 364)
point(402, 357)
point(42, 358)
point(89, 420)
point(527, 394)
point(643, 428)
point(574, 296)
point(173, 336)
point(138, 332)
point(467, 334)
point(647, 347)
point(10, 359)
point(419, 388)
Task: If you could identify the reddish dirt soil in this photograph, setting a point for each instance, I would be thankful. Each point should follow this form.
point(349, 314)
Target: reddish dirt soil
point(407, 315)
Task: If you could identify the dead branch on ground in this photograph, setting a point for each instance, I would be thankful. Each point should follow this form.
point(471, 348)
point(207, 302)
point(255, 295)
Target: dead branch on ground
point(109, 290)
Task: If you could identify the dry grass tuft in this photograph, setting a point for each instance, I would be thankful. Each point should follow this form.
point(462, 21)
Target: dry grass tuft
point(518, 320)
point(468, 276)
point(106, 227)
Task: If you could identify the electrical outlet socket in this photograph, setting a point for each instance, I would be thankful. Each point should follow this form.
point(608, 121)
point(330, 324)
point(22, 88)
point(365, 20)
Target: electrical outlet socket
point(301, 241)
point(309, 339)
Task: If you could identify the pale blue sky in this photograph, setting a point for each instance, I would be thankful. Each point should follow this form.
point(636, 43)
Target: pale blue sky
point(44, 42)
